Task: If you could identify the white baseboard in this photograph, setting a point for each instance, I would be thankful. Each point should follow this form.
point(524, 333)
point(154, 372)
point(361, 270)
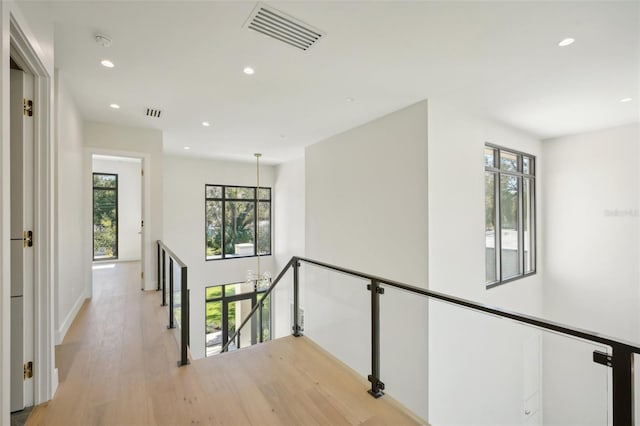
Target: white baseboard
point(64, 327)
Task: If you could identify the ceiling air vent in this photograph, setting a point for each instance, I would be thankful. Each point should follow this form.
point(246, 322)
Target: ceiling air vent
point(278, 25)
point(153, 112)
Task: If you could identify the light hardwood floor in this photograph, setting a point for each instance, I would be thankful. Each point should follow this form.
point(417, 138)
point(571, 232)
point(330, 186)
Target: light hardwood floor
point(117, 366)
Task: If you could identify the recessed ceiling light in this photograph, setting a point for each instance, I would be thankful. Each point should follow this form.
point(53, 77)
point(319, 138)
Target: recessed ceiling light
point(107, 63)
point(566, 42)
point(206, 124)
point(115, 106)
point(248, 70)
point(626, 100)
point(187, 148)
point(349, 99)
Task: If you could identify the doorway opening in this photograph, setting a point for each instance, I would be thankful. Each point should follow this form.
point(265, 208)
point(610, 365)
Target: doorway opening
point(105, 216)
point(118, 227)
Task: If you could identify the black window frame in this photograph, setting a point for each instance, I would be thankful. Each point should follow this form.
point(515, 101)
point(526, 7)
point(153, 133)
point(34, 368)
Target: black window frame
point(223, 298)
point(519, 173)
point(93, 207)
point(223, 199)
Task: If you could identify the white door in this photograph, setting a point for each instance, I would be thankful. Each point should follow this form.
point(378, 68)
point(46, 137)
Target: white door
point(22, 253)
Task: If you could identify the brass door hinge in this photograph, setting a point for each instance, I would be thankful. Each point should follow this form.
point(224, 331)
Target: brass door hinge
point(142, 275)
point(27, 239)
point(142, 172)
point(28, 370)
point(27, 107)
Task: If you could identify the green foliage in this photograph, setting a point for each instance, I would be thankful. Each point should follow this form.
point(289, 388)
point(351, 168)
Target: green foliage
point(239, 224)
point(105, 222)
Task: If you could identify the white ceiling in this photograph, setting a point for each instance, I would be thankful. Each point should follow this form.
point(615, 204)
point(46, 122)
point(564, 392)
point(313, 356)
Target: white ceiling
point(186, 58)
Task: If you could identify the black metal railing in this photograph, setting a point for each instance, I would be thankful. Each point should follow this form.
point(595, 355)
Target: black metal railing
point(620, 360)
point(178, 310)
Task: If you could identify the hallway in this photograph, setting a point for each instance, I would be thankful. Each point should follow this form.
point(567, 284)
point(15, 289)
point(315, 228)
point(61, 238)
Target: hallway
point(117, 366)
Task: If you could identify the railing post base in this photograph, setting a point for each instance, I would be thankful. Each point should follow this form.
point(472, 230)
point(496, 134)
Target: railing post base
point(296, 329)
point(376, 387)
point(180, 363)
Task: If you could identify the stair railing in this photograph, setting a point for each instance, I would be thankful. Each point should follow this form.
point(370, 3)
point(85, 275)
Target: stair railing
point(181, 315)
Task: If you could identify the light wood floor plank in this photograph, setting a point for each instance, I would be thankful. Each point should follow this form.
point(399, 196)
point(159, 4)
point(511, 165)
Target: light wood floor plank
point(117, 366)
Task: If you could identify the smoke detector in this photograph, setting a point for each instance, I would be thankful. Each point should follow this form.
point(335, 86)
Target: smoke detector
point(103, 40)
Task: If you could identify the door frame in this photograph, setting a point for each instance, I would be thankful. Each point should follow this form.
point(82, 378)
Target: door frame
point(146, 253)
point(18, 38)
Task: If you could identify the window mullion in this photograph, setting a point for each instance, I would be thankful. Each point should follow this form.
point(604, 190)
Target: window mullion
point(223, 220)
point(498, 227)
point(520, 226)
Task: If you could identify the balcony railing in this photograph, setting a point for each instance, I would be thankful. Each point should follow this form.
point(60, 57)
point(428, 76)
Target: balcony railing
point(178, 295)
point(618, 357)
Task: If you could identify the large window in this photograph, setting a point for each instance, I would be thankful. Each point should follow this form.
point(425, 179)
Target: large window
point(105, 216)
point(510, 243)
point(232, 226)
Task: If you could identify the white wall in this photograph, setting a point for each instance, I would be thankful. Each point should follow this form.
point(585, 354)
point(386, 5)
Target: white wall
point(129, 202)
point(289, 217)
point(71, 289)
point(184, 228)
point(591, 255)
point(477, 364)
point(366, 209)
point(289, 235)
point(106, 139)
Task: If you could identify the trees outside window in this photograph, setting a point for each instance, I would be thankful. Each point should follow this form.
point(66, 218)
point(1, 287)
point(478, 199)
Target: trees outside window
point(232, 225)
point(105, 216)
point(510, 244)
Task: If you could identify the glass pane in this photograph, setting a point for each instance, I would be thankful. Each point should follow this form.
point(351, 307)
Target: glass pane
point(523, 375)
point(508, 161)
point(240, 192)
point(239, 288)
point(489, 154)
point(239, 231)
point(105, 224)
point(213, 327)
point(264, 284)
point(213, 292)
point(264, 227)
point(266, 318)
point(214, 229)
point(404, 349)
point(490, 226)
point(105, 181)
point(177, 294)
point(237, 312)
point(525, 165)
point(213, 191)
point(509, 224)
point(528, 165)
point(264, 193)
point(527, 218)
point(336, 314)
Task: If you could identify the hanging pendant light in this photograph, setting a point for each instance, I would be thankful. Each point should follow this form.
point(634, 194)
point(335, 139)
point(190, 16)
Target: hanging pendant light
point(259, 276)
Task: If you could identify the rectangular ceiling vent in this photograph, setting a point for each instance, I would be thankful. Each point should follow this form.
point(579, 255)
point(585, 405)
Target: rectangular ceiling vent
point(153, 112)
point(287, 29)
